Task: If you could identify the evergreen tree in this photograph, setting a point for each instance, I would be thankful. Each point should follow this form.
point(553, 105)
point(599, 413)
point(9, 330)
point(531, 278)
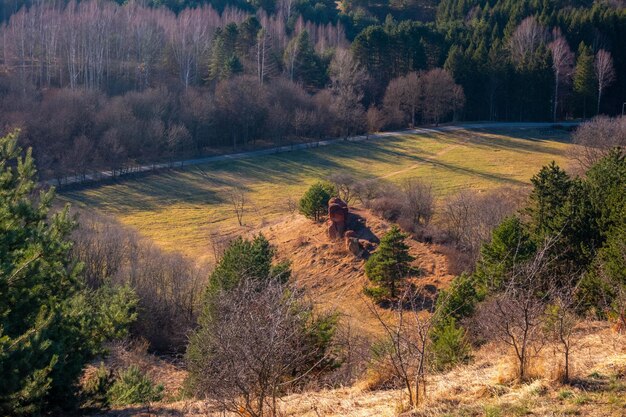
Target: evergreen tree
point(551, 186)
point(510, 244)
point(584, 78)
point(303, 64)
point(388, 266)
point(314, 203)
point(50, 326)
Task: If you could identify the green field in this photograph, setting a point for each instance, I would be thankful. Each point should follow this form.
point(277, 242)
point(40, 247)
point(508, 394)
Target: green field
point(181, 209)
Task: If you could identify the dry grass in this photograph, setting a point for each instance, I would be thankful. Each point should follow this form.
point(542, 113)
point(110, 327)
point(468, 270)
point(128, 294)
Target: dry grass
point(180, 210)
point(598, 390)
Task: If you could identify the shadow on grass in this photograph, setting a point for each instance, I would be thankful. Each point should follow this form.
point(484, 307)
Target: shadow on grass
point(206, 184)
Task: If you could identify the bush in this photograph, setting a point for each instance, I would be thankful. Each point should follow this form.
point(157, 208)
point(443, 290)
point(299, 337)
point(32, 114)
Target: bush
point(314, 203)
point(133, 387)
point(449, 345)
point(96, 387)
point(265, 341)
point(167, 284)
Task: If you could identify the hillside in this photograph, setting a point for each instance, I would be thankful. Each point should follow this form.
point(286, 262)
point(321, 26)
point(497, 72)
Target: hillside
point(335, 278)
point(482, 388)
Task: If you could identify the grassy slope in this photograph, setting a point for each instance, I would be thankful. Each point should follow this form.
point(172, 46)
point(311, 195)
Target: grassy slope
point(180, 209)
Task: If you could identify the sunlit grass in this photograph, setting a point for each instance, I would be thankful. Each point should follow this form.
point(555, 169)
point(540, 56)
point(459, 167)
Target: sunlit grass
point(180, 209)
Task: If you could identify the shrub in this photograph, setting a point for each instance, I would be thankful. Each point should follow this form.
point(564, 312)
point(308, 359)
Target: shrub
point(167, 284)
point(314, 202)
point(265, 341)
point(134, 387)
point(96, 387)
point(449, 345)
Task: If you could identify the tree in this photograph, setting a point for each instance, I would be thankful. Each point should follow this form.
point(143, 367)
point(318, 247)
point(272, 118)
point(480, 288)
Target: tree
point(551, 186)
point(348, 82)
point(515, 315)
point(388, 266)
point(407, 346)
point(596, 138)
point(405, 94)
point(526, 40)
point(562, 65)
point(441, 95)
point(561, 322)
point(265, 341)
point(314, 202)
point(246, 259)
point(604, 71)
point(237, 197)
point(584, 79)
point(303, 64)
point(50, 326)
point(510, 245)
point(419, 202)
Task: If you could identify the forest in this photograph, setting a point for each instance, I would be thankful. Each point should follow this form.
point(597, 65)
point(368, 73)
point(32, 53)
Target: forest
point(99, 84)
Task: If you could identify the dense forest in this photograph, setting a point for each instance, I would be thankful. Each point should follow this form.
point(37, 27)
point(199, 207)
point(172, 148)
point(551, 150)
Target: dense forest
point(104, 85)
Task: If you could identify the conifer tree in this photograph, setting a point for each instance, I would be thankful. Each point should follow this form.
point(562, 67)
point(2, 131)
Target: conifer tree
point(584, 79)
point(50, 326)
point(388, 266)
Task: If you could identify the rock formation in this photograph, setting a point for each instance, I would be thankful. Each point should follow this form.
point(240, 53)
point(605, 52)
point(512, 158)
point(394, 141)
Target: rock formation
point(346, 225)
point(337, 218)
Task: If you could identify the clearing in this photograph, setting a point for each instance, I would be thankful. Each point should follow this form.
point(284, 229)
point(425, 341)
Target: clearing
point(181, 209)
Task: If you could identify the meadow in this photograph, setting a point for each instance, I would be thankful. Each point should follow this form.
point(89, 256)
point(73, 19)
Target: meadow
point(181, 209)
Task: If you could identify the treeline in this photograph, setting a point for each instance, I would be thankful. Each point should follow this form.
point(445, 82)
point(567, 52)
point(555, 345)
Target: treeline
point(97, 85)
point(513, 68)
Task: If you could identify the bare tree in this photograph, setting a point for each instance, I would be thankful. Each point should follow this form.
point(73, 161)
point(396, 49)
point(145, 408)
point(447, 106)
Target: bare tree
point(561, 323)
point(405, 348)
point(596, 137)
point(348, 81)
point(516, 315)
point(237, 197)
point(168, 285)
point(441, 96)
point(344, 184)
point(366, 191)
point(419, 202)
point(562, 65)
point(405, 94)
point(526, 40)
point(605, 72)
point(468, 218)
point(256, 350)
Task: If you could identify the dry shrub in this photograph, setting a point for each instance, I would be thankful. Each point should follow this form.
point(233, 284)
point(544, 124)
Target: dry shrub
point(367, 191)
point(389, 205)
point(168, 285)
point(469, 218)
point(458, 261)
point(596, 138)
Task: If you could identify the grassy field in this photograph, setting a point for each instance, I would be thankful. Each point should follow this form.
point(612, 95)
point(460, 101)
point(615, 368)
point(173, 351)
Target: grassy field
point(181, 209)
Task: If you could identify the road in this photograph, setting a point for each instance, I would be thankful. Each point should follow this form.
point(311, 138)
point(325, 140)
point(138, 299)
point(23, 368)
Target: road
point(104, 175)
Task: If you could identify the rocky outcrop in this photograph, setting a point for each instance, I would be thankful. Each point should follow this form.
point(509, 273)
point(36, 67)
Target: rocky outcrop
point(348, 226)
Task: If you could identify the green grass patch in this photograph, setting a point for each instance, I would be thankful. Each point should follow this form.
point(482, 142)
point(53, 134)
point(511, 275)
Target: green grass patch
point(180, 209)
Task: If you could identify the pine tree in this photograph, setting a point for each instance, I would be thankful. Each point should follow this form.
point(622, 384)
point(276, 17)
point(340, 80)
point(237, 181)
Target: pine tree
point(388, 266)
point(584, 78)
point(314, 203)
point(50, 326)
point(551, 187)
point(510, 244)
